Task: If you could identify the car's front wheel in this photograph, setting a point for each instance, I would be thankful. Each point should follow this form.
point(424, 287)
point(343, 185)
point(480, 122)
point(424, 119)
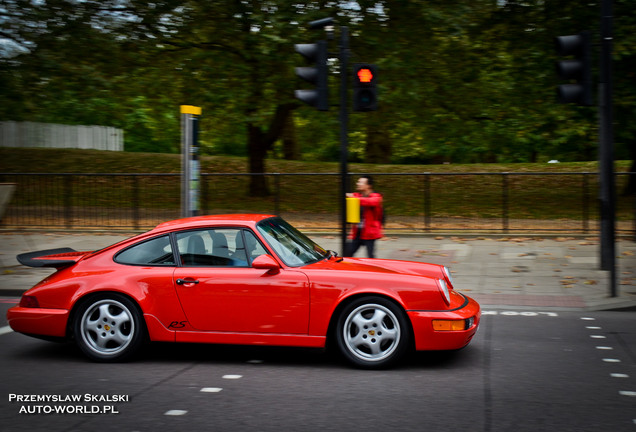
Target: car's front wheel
point(372, 332)
point(109, 328)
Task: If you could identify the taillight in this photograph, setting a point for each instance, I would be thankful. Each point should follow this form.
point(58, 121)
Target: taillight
point(29, 301)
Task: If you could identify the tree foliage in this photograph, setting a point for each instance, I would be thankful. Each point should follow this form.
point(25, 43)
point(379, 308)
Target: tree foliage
point(463, 81)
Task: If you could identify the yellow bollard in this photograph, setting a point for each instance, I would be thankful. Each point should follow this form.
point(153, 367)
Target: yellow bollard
point(353, 210)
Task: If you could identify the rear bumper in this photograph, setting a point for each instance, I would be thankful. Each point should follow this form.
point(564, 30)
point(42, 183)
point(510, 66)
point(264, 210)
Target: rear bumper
point(426, 338)
point(38, 321)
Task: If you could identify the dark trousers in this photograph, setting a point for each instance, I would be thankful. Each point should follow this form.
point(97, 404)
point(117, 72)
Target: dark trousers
point(354, 245)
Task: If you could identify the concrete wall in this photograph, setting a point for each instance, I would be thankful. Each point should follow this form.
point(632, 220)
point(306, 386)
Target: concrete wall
point(30, 134)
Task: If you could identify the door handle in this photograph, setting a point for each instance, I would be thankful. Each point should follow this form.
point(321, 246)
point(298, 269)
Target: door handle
point(186, 281)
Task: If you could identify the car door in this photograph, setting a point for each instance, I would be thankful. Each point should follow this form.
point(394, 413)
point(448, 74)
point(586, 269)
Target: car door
point(220, 291)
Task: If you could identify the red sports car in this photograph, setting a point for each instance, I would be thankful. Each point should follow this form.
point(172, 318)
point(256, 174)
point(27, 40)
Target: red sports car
point(241, 279)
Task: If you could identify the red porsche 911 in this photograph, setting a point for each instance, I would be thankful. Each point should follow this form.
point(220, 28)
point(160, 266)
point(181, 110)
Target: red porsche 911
point(241, 279)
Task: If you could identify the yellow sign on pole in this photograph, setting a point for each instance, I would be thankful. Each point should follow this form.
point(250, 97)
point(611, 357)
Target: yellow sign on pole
point(189, 109)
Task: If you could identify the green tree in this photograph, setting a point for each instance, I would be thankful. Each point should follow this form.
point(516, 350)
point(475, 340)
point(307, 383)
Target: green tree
point(463, 81)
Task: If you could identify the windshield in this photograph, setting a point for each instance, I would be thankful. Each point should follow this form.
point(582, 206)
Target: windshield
point(292, 246)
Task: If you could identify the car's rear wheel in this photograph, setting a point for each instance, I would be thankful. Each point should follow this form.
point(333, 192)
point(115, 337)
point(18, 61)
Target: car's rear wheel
point(372, 332)
point(109, 328)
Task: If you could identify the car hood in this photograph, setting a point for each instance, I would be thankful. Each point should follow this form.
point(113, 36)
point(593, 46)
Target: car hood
point(375, 265)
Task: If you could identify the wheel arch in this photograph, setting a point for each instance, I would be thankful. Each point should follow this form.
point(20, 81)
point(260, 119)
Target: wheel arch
point(333, 320)
point(87, 297)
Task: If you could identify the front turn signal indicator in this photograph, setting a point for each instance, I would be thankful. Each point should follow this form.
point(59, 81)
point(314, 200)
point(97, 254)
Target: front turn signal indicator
point(449, 325)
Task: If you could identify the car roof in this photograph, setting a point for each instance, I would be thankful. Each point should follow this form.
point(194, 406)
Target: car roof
point(202, 221)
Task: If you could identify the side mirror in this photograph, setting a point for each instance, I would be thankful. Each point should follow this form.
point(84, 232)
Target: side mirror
point(266, 262)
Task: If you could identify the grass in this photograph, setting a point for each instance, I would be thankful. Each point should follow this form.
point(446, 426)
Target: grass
point(453, 191)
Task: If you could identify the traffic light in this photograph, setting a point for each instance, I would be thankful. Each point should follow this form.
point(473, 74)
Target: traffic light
point(365, 90)
point(317, 75)
point(578, 69)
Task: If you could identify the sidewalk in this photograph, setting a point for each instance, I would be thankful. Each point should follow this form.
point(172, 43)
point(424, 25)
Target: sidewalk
point(514, 273)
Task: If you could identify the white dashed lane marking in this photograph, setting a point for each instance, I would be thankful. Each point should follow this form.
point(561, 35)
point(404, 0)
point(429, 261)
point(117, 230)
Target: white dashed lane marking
point(628, 393)
point(211, 390)
point(175, 412)
point(232, 377)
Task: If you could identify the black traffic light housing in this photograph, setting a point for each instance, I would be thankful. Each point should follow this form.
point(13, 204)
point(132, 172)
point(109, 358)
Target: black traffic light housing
point(578, 69)
point(365, 90)
point(316, 53)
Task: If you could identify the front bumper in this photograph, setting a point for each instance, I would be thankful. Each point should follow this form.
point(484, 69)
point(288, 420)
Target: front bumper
point(38, 321)
point(427, 338)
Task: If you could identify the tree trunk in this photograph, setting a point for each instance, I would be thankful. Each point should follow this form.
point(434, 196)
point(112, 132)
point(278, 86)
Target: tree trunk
point(290, 144)
point(379, 146)
point(259, 143)
point(257, 153)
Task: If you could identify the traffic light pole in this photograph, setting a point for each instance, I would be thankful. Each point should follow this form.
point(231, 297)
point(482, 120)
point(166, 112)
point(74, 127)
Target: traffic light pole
point(606, 152)
point(317, 97)
point(344, 133)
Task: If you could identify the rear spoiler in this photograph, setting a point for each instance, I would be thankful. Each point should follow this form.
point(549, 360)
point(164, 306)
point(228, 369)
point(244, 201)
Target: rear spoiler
point(57, 258)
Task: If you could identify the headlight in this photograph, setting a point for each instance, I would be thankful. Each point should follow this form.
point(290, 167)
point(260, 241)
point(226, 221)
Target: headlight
point(443, 288)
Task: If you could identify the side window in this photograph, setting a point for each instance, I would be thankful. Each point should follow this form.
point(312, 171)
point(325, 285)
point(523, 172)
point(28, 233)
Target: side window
point(212, 248)
point(157, 251)
point(254, 248)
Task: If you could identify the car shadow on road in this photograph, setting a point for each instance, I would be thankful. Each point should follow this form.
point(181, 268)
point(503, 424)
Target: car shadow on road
point(159, 352)
point(294, 356)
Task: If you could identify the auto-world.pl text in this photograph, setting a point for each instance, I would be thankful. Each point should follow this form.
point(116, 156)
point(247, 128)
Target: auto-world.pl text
point(68, 404)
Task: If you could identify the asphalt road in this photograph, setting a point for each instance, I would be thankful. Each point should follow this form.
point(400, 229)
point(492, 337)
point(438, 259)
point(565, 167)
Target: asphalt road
point(524, 371)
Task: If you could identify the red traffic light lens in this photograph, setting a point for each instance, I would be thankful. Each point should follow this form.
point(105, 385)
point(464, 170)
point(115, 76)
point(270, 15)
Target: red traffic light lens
point(365, 75)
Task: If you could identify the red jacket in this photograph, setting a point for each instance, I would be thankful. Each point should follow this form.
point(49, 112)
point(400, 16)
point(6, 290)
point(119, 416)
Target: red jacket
point(371, 218)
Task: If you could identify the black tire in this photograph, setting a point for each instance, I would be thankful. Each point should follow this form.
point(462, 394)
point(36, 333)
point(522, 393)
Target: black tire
point(372, 333)
point(109, 328)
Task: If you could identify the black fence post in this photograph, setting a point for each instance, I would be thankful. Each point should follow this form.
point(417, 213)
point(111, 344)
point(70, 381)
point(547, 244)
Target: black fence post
point(68, 200)
point(135, 202)
point(585, 204)
point(427, 202)
point(203, 200)
point(630, 181)
point(504, 203)
point(634, 221)
point(277, 194)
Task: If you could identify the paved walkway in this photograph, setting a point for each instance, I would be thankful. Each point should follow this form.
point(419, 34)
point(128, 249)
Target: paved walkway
point(510, 273)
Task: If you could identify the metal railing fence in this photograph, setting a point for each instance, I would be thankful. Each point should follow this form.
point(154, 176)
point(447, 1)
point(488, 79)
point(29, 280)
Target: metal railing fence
point(504, 202)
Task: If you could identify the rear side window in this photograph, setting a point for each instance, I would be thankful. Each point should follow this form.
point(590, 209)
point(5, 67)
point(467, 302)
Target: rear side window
point(157, 251)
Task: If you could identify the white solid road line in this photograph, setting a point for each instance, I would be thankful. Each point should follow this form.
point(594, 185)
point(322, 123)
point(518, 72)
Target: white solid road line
point(5, 330)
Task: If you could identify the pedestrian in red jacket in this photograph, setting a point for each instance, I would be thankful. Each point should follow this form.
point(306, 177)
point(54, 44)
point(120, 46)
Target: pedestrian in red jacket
point(370, 227)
